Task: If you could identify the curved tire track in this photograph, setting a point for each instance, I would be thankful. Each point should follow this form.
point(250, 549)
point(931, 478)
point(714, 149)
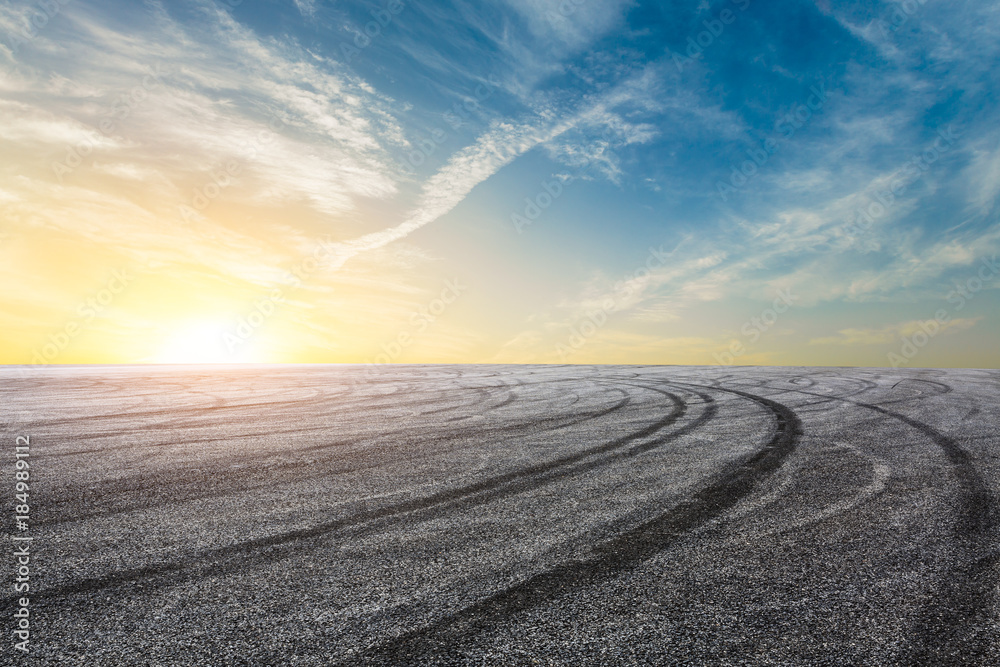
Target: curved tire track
point(968, 592)
point(624, 552)
point(245, 553)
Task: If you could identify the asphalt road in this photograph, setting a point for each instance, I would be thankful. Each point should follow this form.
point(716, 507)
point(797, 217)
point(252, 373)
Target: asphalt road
point(507, 515)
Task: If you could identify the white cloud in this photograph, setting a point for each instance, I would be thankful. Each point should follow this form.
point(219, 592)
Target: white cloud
point(892, 332)
point(34, 127)
point(298, 129)
point(573, 23)
point(498, 147)
point(983, 177)
point(450, 185)
point(307, 7)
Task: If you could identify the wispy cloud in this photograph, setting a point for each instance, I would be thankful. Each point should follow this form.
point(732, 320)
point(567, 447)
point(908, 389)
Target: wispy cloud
point(571, 24)
point(299, 130)
point(307, 7)
point(891, 333)
point(213, 142)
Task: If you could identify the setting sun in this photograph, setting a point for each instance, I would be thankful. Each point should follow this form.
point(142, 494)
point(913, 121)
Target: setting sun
point(198, 343)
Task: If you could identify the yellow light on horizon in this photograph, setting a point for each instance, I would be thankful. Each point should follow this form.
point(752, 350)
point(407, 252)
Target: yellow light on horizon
point(199, 343)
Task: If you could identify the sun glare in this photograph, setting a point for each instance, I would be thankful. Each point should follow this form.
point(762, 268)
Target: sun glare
point(197, 343)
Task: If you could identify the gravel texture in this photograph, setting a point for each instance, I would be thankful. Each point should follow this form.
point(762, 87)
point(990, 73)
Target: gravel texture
point(508, 515)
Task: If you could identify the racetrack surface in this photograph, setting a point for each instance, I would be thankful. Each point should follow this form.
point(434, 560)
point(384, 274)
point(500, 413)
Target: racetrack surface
point(315, 515)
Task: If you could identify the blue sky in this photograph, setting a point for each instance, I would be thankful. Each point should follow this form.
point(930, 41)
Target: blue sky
point(609, 182)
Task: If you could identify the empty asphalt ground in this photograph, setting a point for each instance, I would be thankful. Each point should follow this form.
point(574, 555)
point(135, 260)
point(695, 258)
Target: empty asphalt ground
point(507, 515)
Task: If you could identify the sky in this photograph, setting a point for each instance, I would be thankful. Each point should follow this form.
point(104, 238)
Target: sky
point(519, 181)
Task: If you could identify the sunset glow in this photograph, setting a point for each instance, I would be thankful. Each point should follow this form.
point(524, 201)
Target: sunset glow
point(301, 182)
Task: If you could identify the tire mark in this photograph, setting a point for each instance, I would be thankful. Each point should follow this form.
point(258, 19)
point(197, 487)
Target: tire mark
point(610, 558)
point(150, 500)
point(706, 416)
point(235, 556)
point(967, 593)
point(314, 400)
point(173, 412)
point(483, 396)
point(880, 475)
point(867, 385)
